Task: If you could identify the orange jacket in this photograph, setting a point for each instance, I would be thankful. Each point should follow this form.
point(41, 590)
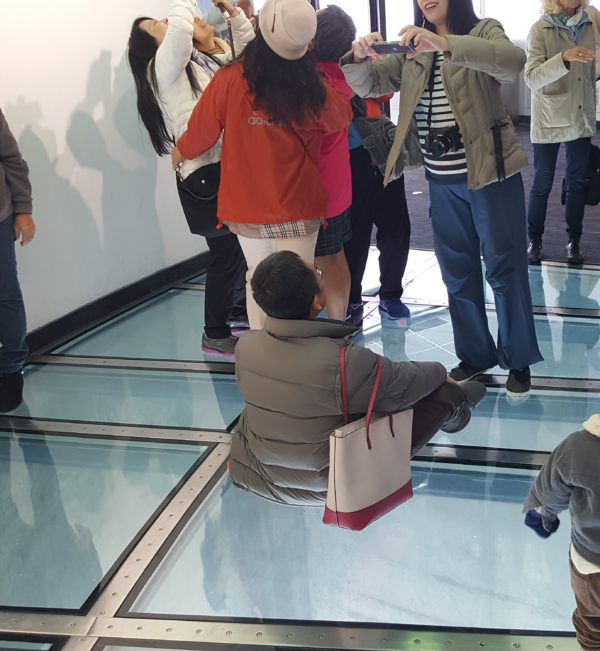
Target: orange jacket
point(268, 172)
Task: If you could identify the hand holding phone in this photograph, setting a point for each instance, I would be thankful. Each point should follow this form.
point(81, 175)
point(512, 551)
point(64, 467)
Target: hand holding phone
point(391, 47)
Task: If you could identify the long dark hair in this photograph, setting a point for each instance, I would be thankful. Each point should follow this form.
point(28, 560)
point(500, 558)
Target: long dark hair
point(290, 92)
point(461, 17)
point(141, 51)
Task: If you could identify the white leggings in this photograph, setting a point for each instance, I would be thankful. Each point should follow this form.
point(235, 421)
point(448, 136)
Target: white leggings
point(256, 249)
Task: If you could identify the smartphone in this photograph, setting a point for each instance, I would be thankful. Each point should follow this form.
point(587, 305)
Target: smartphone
point(391, 47)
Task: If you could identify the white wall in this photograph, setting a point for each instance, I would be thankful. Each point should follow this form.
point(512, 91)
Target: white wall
point(105, 205)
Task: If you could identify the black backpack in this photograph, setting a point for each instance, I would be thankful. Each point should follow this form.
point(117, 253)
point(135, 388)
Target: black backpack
point(592, 197)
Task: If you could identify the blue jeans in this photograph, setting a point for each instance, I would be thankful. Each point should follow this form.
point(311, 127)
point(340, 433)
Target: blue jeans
point(544, 162)
point(13, 327)
point(491, 221)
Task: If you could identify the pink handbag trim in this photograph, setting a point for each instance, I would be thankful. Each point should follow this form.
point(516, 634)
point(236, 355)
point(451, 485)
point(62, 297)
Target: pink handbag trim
point(373, 393)
point(358, 520)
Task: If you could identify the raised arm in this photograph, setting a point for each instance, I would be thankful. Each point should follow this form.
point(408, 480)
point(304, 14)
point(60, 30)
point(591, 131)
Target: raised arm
point(176, 49)
point(242, 31)
point(495, 55)
point(373, 78)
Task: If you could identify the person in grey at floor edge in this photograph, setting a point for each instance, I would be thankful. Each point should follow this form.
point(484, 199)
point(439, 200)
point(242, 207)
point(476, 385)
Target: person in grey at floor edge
point(561, 73)
point(450, 86)
point(16, 224)
point(173, 61)
point(289, 376)
point(570, 479)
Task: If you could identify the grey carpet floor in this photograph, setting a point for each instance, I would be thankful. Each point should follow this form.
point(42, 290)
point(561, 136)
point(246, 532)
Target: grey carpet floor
point(555, 235)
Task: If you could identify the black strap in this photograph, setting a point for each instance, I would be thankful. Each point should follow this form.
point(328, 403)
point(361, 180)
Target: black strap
point(497, 133)
point(230, 32)
point(431, 86)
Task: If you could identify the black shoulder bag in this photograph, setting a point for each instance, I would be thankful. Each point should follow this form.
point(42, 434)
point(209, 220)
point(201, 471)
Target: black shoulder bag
point(198, 194)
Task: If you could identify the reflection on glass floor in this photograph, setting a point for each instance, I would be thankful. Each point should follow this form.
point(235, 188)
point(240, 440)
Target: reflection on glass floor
point(69, 507)
point(551, 286)
point(199, 400)
point(172, 325)
point(570, 345)
point(243, 557)
point(538, 423)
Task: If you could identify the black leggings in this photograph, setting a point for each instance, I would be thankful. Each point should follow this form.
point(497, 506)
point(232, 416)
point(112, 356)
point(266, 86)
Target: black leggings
point(225, 283)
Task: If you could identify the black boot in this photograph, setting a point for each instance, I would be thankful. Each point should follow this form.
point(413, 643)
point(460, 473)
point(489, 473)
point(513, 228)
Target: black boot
point(11, 391)
point(574, 256)
point(534, 251)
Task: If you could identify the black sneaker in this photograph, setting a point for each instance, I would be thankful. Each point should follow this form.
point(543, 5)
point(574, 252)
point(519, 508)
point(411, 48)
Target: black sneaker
point(534, 252)
point(11, 391)
point(464, 372)
point(518, 384)
point(226, 345)
point(474, 394)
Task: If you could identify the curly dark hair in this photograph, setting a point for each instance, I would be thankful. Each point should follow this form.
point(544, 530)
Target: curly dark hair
point(289, 92)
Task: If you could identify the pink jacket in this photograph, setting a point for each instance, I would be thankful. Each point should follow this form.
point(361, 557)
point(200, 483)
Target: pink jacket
point(334, 155)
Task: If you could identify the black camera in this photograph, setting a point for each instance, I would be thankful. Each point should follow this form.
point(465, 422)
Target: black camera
point(439, 142)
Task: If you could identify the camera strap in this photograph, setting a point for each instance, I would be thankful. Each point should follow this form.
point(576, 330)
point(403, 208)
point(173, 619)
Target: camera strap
point(497, 133)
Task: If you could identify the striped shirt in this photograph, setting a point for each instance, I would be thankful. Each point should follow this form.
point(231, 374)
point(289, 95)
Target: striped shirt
point(452, 167)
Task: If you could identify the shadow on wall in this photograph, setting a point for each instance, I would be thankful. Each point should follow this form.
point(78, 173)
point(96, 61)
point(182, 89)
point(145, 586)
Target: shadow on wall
point(94, 197)
point(103, 133)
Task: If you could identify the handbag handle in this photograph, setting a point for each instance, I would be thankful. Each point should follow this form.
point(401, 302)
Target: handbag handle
point(373, 392)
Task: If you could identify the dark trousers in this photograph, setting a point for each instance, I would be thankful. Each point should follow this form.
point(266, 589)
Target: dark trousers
point(226, 271)
point(586, 618)
point(544, 161)
point(13, 326)
point(387, 209)
point(491, 221)
point(433, 412)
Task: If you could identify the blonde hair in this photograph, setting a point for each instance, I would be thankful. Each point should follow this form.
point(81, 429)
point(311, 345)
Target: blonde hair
point(553, 6)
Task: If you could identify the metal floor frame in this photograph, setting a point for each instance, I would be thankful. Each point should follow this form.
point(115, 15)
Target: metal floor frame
point(106, 620)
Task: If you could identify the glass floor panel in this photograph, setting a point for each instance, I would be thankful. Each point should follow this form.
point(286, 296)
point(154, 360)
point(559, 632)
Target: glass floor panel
point(538, 423)
point(439, 560)
point(570, 345)
point(550, 286)
point(163, 398)
point(17, 645)
point(171, 324)
point(70, 507)
point(197, 280)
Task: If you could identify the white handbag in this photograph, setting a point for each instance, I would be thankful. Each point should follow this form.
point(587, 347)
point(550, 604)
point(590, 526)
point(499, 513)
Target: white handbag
point(369, 466)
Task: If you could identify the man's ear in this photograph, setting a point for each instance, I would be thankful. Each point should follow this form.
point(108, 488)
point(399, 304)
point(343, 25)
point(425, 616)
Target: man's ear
point(318, 303)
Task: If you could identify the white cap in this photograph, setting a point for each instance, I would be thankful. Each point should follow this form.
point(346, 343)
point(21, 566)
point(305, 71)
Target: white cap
point(288, 27)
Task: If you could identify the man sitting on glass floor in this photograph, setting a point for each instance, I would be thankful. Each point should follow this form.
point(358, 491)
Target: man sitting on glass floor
point(289, 376)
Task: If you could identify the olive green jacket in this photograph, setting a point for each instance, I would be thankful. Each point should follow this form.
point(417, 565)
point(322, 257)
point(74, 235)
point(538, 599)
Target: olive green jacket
point(472, 71)
point(563, 96)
